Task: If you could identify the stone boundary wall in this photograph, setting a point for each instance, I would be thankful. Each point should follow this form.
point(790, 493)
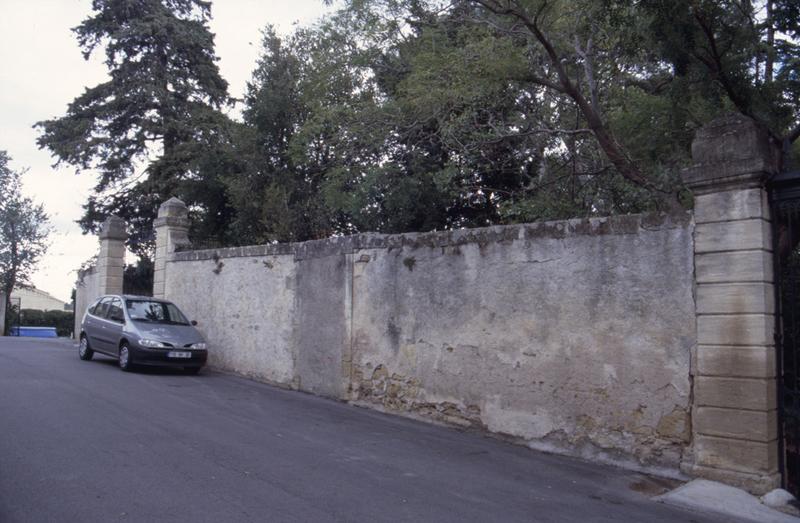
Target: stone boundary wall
point(625, 224)
point(86, 291)
point(571, 336)
point(105, 276)
point(644, 340)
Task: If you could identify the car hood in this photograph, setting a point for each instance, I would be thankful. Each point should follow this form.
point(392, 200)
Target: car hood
point(177, 335)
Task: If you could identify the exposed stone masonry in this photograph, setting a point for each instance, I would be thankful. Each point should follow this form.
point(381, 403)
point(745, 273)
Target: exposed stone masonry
point(735, 406)
point(172, 233)
point(561, 229)
point(111, 259)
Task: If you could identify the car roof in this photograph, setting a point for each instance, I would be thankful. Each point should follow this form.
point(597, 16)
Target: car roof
point(139, 297)
point(133, 297)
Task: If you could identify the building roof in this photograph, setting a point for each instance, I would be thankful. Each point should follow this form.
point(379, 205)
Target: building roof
point(38, 297)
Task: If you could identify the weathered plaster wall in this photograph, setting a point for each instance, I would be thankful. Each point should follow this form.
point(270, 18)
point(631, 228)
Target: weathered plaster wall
point(573, 336)
point(86, 291)
point(322, 332)
point(245, 308)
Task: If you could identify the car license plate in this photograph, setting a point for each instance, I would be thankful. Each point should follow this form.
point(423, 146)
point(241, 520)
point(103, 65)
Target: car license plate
point(177, 354)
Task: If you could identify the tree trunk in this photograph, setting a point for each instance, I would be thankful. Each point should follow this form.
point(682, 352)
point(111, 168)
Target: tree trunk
point(10, 278)
point(6, 323)
point(770, 58)
point(605, 137)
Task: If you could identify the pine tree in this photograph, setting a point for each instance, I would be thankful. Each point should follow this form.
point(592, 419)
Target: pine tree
point(161, 100)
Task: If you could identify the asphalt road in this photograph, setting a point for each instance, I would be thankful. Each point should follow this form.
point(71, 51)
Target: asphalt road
point(83, 442)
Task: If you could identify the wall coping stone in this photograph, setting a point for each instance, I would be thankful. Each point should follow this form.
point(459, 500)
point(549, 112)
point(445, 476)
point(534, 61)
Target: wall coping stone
point(83, 273)
point(732, 152)
point(114, 228)
point(172, 207)
point(180, 222)
point(559, 229)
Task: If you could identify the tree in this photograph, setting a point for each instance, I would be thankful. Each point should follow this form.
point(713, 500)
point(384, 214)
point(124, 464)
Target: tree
point(138, 279)
point(325, 152)
point(741, 51)
point(161, 100)
point(275, 196)
point(23, 232)
point(548, 108)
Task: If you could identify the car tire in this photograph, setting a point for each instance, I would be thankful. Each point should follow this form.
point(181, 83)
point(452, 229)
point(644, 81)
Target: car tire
point(85, 352)
point(125, 360)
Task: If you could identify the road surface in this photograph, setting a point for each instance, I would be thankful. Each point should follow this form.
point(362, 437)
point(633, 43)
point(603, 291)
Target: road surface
point(84, 442)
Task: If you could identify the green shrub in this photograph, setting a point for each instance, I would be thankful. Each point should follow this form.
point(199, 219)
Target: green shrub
point(61, 320)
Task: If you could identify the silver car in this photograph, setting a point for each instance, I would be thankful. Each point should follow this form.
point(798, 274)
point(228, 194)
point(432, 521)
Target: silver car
point(139, 330)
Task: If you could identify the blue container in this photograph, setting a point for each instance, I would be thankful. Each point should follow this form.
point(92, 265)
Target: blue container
point(34, 332)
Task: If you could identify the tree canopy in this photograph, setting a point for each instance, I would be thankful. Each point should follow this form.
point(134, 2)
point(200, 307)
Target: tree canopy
point(151, 129)
point(399, 115)
point(412, 115)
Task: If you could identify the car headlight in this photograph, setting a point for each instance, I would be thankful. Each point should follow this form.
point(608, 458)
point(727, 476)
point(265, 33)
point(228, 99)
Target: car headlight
point(153, 344)
point(198, 346)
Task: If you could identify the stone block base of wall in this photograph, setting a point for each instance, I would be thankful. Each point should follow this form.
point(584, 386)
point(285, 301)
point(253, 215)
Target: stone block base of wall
point(757, 484)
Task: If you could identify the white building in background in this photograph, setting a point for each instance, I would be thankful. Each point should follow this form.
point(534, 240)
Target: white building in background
point(34, 298)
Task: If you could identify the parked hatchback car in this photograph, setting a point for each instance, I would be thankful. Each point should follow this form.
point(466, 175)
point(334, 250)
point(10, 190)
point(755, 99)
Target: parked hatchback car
point(139, 330)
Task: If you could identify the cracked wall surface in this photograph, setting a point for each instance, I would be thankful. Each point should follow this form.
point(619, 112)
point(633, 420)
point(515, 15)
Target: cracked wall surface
point(573, 336)
point(86, 291)
point(577, 339)
point(245, 308)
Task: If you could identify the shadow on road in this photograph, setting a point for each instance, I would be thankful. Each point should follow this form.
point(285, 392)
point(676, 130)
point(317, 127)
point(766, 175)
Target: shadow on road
point(142, 369)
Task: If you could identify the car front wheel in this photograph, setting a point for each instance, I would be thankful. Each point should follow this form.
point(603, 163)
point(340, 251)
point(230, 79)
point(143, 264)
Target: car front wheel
point(84, 351)
point(125, 361)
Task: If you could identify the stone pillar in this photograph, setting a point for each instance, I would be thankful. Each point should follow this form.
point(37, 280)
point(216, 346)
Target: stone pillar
point(172, 232)
point(111, 259)
point(734, 417)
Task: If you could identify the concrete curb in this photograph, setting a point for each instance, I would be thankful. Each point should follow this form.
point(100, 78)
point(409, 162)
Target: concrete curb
point(710, 497)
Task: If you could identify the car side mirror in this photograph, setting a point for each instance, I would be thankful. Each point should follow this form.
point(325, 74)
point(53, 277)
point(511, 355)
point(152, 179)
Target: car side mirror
point(194, 322)
point(118, 319)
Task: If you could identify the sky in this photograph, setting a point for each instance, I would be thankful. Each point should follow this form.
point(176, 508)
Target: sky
point(43, 70)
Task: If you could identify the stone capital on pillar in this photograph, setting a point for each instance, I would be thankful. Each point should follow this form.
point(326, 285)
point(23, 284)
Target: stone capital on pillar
point(114, 228)
point(734, 427)
point(733, 152)
point(111, 259)
point(172, 213)
point(172, 234)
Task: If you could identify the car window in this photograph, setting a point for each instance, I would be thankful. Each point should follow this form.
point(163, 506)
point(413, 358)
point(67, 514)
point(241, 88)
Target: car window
point(155, 312)
point(102, 308)
point(115, 310)
point(94, 305)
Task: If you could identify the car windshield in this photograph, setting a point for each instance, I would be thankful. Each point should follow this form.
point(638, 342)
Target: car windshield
point(155, 312)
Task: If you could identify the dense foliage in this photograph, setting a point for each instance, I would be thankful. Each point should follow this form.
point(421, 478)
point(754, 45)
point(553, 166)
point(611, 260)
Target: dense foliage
point(408, 115)
point(398, 115)
point(24, 230)
point(152, 129)
point(63, 321)
point(137, 278)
